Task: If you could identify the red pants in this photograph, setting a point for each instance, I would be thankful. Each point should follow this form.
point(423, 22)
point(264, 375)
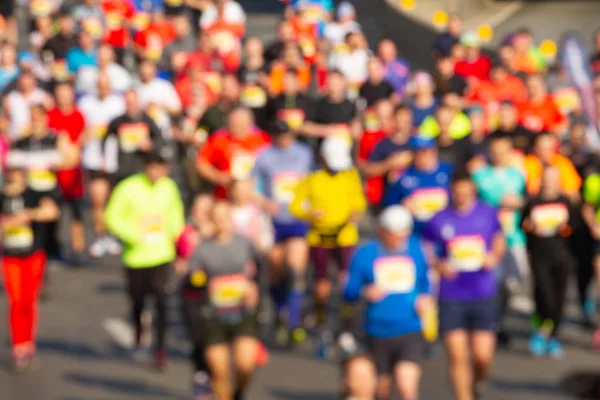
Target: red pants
point(23, 280)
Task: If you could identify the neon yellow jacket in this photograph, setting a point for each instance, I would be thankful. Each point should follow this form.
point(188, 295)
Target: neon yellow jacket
point(147, 218)
point(459, 127)
point(337, 196)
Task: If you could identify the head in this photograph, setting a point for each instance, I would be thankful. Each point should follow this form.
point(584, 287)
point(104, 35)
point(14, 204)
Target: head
point(375, 69)
point(385, 113)
point(282, 135)
point(132, 102)
point(104, 86)
point(9, 55)
point(26, 82)
point(86, 42)
point(454, 25)
point(463, 191)
point(147, 71)
point(404, 121)
point(578, 135)
point(498, 72)
point(157, 167)
point(285, 31)
point(500, 151)
point(477, 119)
point(444, 116)
point(39, 120)
point(523, 40)
point(202, 208)
point(291, 84)
point(395, 226)
point(230, 91)
point(221, 218)
point(336, 84)
point(182, 25)
point(240, 122)
point(15, 177)
point(346, 12)
point(508, 115)
point(291, 54)
point(470, 41)
point(445, 66)
point(106, 56)
point(242, 192)
point(423, 84)
point(335, 154)
point(254, 47)
point(550, 182)
point(66, 25)
point(354, 40)
point(544, 147)
point(536, 87)
point(360, 375)
point(387, 51)
point(65, 95)
point(425, 153)
point(453, 101)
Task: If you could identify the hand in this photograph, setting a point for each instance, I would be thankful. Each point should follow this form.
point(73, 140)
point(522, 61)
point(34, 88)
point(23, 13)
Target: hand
point(316, 214)
point(423, 303)
point(596, 231)
point(491, 261)
point(146, 145)
point(354, 217)
point(252, 295)
point(446, 270)
point(224, 179)
point(528, 225)
point(409, 203)
point(272, 207)
point(374, 294)
point(510, 200)
point(399, 160)
point(181, 267)
point(22, 218)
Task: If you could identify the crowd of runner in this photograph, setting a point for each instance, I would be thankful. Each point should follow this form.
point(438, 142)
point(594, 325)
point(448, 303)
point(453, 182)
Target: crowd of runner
point(244, 170)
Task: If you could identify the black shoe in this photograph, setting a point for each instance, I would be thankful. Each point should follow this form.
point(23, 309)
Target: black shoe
point(238, 395)
point(588, 324)
point(504, 340)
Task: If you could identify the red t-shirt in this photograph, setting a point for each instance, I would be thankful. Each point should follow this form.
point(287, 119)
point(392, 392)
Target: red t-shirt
point(72, 124)
point(479, 68)
point(117, 13)
point(542, 116)
point(235, 156)
point(373, 185)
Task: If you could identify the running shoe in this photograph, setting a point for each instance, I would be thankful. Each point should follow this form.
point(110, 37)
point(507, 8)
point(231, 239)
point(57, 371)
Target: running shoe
point(503, 339)
point(98, 248)
point(555, 349)
point(160, 360)
point(298, 336)
point(21, 364)
point(140, 353)
point(201, 389)
point(262, 355)
point(325, 349)
point(537, 345)
point(113, 246)
point(282, 335)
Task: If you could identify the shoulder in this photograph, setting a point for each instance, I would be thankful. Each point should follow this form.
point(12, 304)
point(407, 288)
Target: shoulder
point(366, 250)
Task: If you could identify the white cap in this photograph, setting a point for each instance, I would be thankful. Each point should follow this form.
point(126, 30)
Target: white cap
point(396, 219)
point(337, 153)
point(345, 9)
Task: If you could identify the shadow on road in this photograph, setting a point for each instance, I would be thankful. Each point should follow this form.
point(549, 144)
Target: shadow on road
point(549, 389)
point(72, 349)
point(133, 388)
point(297, 395)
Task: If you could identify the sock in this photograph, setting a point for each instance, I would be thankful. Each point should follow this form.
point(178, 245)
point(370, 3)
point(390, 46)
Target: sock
point(278, 296)
point(295, 308)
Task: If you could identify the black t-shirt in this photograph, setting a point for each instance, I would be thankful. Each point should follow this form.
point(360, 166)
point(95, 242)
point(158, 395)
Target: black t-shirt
point(59, 45)
point(253, 94)
point(458, 153)
point(38, 155)
point(455, 84)
point(326, 112)
point(292, 109)
point(273, 51)
point(521, 137)
point(28, 238)
point(130, 134)
point(549, 216)
point(214, 118)
point(373, 92)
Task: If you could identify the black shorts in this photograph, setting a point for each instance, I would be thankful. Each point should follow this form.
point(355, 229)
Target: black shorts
point(216, 332)
point(76, 208)
point(596, 248)
point(95, 175)
point(388, 352)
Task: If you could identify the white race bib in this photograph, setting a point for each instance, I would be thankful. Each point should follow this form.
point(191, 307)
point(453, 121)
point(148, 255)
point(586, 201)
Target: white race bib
point(395, 274)
point(467, 252)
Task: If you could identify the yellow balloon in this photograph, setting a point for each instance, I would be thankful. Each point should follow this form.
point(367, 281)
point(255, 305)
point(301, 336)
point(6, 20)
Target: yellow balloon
point(548, 48)
point(440, 19)
point(485, 32)
point(407, 4)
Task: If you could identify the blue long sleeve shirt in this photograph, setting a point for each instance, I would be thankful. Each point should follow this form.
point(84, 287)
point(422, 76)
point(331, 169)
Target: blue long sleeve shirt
point(402, 275)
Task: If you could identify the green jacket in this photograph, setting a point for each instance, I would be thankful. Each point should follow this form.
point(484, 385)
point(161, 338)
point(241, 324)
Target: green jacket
point(459, 127)
point(147, 218)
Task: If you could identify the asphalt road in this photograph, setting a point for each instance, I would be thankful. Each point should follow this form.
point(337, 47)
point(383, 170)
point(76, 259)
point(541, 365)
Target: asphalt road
point(83, 331)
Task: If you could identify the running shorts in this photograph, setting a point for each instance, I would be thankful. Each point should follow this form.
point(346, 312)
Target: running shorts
point(320, 257)
point(290, 230)
point(473, 315)
point(216, 332)
point(95, 175)
point(76, 208)
point(388, 352)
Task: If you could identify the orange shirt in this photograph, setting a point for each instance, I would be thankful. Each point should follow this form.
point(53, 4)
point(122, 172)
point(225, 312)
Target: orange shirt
point(570, 181)
point(278, 73)
point(116, 15)
point(235, 156)
point(541, 117)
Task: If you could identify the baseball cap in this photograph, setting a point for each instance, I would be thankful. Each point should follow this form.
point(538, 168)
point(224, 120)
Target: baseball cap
point(336, 153)
point(421, 143)
point(278, 127)
point(345, 9)
point(470, 39)
point(396, 219)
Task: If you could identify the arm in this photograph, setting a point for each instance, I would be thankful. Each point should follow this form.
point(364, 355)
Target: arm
point(358, 195)
point(300, 206)
point(176, 216)
point(393, 195)
point(46, 211)
point(355, 279)
point(118, 214)
point(313, 129)
point(69, 152)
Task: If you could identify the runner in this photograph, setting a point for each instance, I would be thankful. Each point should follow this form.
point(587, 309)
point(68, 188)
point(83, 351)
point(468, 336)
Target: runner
point(331, 200)
point(547, 219)
point(229, 266)
point(145, 212)
point(469, 242)
point(360, 378)
point(393, 273)
point(25, 213)
point(279, 170)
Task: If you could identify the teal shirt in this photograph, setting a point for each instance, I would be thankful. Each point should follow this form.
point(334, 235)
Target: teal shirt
point(493, 183)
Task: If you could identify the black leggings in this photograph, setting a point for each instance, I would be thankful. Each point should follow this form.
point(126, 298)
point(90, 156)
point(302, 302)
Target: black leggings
point(550, 275)
point(191, 309)
point(141, 283)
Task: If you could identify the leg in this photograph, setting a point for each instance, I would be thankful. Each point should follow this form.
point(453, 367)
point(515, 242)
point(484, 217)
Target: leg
point(407, 376)
point(461, 373)
point(190, 309)
point(297, 260)
point(33, 279)
point(320, 260)
point(13, 282)
point(244, 349)
point(99, 190)
point(360, 378)
point(277, 260)
point(542, 286)
point(137, 294)
point(77, 228)
point(217, 357)
point(560, 277)
point(159, 280)
point(483, 344)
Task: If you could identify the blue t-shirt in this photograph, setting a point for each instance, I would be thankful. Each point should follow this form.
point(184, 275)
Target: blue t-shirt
point(419, 114)
point(384, 150)
point(402, 275)
point(397, 73)
point(77, 58)
point(278, 171)
point(148, 5)
point(426, 192)
point(8, 75)
point(327, 5)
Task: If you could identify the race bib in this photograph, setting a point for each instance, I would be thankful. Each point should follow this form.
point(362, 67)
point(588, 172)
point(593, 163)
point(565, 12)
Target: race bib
point(313, 14)
point(293, 117)
point(153, 229)
point(60, 71)
point(371, 121)
point(40, 8)
point(548, 218)
point(253, 96)
point(428, 202)
point(213, 81)
point(354, 89)
point(227, 292)
point(131, 136)
point(284, 186)
point(467, 253)
point(17, 237)
point(154, 47)
point(507, 221)
point(308, 47)
point(395, 274)
point(224, 41)
point(41, 180)
point(174, 3)
point(93, 26)
point(100, 131)
point(114, 20)
point(241, 165)
point(141, 20)
point(567, 100)
point(342, 131)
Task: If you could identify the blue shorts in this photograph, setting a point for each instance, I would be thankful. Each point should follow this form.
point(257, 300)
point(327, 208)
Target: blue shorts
point(289, 230)
point(473, 315)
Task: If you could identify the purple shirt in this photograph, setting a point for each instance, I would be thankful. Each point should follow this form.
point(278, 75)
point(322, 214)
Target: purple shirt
point(464, 241)
point(397, 73)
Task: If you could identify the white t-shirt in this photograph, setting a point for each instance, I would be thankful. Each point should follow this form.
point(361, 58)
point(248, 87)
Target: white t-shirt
point(233, 14)
point(18, 109)
point(87, 79)
point(163, 93)
point(335, 33)
point(98, 113)
point(352, 65)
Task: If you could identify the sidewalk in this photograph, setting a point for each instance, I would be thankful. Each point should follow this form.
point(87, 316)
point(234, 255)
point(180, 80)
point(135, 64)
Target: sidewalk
point(474, 12)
